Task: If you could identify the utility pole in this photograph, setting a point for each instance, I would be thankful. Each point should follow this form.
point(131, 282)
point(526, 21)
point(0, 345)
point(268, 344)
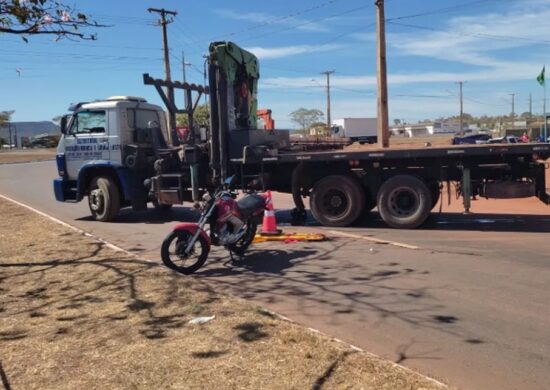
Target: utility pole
point(329, 120)
point(513, 106)
point(382, 123)
point(15, 143)
point(461, 96)
point(9, 129)
point(205, 74)
point(184, 64)
point(170, 91)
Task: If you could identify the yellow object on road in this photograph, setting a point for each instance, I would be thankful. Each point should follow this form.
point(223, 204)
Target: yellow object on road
point(291, 237)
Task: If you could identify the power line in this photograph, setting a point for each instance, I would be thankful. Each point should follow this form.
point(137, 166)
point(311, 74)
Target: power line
point(288, 28)
point(279, 19)
point(440, 10)
point(477, 35)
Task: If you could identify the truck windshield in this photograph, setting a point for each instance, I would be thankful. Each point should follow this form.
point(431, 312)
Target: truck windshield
point(88, 122)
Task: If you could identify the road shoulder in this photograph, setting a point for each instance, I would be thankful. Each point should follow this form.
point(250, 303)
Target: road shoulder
point(79, 314)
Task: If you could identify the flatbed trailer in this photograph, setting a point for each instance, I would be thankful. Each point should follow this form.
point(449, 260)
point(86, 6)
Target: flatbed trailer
point(404, 184)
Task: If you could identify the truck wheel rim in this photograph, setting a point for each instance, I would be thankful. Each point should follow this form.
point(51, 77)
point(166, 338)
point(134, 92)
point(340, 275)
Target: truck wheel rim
point(335, 202)
point(97, 200)
point(403, 202)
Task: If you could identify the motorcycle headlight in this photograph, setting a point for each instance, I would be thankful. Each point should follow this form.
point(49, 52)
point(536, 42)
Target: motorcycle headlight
point(206, 197)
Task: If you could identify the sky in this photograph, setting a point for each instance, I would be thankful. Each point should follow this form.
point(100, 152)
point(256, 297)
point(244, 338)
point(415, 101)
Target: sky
point(497, 47)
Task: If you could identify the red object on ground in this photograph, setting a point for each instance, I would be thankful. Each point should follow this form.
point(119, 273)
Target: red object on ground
point(269, 225)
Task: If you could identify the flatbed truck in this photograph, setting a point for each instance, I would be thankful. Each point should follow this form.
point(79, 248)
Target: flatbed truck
point(341, 184)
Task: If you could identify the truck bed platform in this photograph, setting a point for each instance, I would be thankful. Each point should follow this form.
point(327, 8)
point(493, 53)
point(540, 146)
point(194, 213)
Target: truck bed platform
point(374, 153)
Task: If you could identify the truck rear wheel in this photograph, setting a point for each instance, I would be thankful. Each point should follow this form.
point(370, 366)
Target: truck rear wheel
point(337, 200)
point(104, 199)
point(404, 202)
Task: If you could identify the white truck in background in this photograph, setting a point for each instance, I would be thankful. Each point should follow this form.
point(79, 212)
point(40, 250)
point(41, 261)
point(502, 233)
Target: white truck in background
point(362, 130)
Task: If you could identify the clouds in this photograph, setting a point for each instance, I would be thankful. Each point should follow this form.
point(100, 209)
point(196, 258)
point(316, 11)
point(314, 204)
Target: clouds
point(490, 40)
point(263, 18)
point(285, 51)
point(495, 51)
point(496, 47)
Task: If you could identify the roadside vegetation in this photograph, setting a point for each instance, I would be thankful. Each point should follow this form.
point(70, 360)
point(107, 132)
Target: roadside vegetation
point(28, 155)
point(77, 314)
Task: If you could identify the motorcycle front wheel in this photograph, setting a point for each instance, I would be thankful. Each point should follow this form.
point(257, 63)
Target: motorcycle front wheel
point(242, 245)
point(173, 252)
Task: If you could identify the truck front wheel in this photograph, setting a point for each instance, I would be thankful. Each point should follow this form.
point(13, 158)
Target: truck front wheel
point(337, 200)
point(404, 202)
point(104, 199)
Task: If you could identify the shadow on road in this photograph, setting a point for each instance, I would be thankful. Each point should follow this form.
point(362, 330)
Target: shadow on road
point(453, 222)
point(333, 283)
point(151, 216)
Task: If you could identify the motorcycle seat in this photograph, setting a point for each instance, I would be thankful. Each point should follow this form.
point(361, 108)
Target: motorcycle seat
point(251, 204)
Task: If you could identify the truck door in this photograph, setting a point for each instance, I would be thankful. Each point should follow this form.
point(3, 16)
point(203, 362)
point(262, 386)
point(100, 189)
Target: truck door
point(86, 140)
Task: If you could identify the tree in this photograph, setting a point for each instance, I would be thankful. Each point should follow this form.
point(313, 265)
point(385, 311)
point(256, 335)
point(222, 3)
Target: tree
point(525, 115)
point(306, 117)
point(201, 117)
point(33, 17)
point(397, 122)
point(5, 117)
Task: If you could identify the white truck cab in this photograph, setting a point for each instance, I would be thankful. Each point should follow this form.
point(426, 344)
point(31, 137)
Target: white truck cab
point(94, 154)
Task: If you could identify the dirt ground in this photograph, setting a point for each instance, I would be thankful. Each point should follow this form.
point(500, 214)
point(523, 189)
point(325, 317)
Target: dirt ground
point(76, 314)
point(27, 155)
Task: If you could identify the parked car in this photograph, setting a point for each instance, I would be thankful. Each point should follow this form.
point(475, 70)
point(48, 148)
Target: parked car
point(509, 139)
point(472, 139)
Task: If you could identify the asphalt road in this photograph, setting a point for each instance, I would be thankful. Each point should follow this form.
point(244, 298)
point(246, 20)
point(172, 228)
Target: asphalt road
point(469, 306)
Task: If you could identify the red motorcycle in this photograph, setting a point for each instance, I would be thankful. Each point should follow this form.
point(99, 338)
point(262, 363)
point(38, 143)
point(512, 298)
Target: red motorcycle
point(232, 224)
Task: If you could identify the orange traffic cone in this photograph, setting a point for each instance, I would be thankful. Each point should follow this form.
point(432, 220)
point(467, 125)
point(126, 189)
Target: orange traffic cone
point(269, 225)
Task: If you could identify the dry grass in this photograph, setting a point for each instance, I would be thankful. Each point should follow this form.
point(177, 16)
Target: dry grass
point(77, 315)
point(28, 155)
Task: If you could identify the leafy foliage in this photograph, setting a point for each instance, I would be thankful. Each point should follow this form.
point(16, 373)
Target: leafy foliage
point(5, 117)
point(201, 117)
point(305, 118)
point(33, 17)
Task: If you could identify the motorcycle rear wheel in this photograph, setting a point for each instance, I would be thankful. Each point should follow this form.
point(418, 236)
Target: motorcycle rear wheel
point(242, 245)
point(172, 252)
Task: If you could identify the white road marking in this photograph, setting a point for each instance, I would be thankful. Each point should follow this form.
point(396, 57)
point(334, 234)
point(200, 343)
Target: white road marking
point(376, 240)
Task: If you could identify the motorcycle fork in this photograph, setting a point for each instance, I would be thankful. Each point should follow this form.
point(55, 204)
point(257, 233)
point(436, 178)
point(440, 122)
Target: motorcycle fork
point(200, 229)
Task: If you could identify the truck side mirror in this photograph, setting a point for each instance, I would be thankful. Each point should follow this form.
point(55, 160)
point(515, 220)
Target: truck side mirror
point(63, 124)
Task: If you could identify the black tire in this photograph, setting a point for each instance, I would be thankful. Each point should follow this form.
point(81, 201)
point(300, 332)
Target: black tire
point(161, 206)
point(242, 245)
point(404, 202)
point(104, 199)
point(172, 255)
point(337, 200)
